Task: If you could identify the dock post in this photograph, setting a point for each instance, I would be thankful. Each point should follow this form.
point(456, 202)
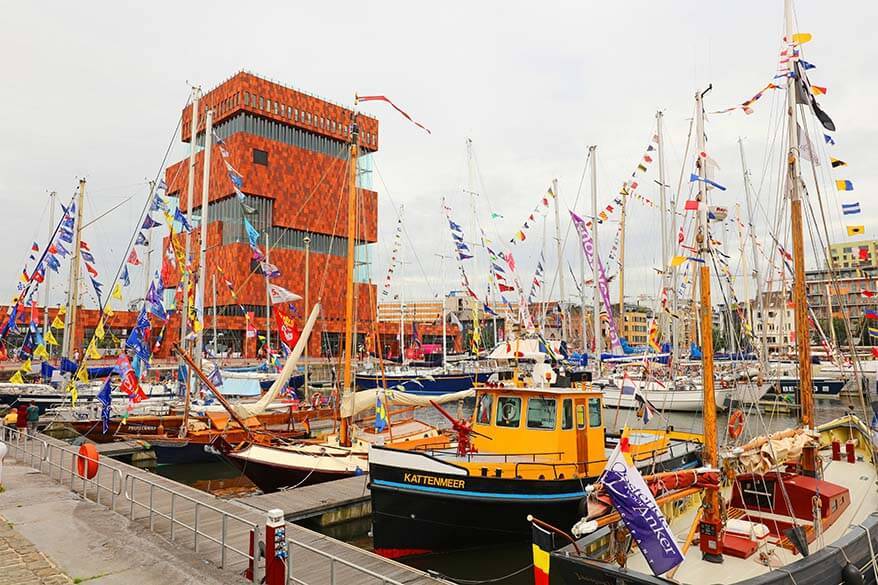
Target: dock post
point(3, 451)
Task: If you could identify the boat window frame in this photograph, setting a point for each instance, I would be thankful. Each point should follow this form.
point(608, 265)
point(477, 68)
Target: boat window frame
point(490, 397)
point(564, 427)
point(497, 422)
point(553, 410)
point(599, 412)
point(579, 411)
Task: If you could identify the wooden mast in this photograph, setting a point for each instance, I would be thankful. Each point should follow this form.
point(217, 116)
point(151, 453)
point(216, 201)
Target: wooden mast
point(347, 388)
point(710, 529)
point(803, 337)
point(622, 259)
point(75, 268)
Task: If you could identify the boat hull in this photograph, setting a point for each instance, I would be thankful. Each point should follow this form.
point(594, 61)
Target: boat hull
point(271, 477)
point(423, 504)
point(670, 400)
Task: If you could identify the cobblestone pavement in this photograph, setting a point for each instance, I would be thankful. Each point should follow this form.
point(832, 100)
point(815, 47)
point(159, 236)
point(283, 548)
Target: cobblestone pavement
point(22, 564)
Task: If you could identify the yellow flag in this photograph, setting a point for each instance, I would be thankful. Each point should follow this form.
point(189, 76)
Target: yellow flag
point(108, 311)
point(92, 352)
point(197, 326)
point(117, 292)
point(71, 388)
point(99, 330)
point(50, 337)
point(82, 376)
point(16, 378)
point(802, 38)
point(40, 352)
point(62, 310)
point(677, 261)
point(58, 323)
point(25, 367)
point(856, 230)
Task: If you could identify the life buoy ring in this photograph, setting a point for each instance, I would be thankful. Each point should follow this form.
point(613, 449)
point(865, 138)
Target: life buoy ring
point(87, 461)
point(316, 400)
point(736, 423)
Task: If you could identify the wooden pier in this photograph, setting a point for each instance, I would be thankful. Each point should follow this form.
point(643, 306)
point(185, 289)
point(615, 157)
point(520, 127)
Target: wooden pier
point(339, 501)
point(217, 529)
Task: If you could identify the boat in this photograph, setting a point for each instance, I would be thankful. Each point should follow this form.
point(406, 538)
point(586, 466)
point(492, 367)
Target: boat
point(683, 397)
point(528, 447)
point(796, 506)
point(425, 381)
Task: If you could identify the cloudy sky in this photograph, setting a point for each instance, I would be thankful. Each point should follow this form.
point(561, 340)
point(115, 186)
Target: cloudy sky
point(95, 90)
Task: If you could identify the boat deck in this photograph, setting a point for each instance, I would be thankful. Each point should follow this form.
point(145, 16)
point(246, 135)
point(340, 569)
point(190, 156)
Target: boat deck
point(858, 477)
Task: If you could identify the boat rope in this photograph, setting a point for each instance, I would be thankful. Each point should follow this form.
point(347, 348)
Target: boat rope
point(874, 560)
point(479, 581)
point(787, 571)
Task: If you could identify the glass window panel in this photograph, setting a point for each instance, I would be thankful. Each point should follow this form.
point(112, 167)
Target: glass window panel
point(509, 411)
point(541, 413)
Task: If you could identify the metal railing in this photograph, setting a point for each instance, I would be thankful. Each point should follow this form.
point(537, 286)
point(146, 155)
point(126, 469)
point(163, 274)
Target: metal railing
point(60, 463)
point(153, 512)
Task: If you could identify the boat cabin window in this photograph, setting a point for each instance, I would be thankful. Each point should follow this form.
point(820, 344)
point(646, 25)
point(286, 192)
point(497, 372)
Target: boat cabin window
point(541, 413)
point(508, 411)
point(567, 414)
point(594, 412)
point(483, 409)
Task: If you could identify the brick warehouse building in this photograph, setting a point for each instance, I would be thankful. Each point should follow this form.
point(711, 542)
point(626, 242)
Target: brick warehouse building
point(292, 150)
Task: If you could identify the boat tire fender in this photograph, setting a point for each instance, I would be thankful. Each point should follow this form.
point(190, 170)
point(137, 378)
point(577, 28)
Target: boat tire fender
point(850, 575)
point(736, 423)
point(87, 461)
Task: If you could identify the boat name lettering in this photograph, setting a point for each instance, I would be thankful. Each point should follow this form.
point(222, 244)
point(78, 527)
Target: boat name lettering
point(445, 482)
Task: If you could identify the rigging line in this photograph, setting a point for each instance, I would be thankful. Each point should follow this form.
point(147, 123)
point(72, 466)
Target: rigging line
point(405, 230)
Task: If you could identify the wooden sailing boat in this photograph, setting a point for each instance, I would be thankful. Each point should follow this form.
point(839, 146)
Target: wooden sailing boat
point(783, 515)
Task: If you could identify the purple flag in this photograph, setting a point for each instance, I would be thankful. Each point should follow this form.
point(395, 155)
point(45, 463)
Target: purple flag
point(603, 285)
point(640, 512)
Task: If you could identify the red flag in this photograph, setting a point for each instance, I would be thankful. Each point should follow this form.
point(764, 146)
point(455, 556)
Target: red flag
point(381, 98)
point(91, 269)
point(84, 246)
point(680, 237)
point(867, 293)
point(691, 205)
point(875, 352)
point(286, 325)
point(864, 254)
point(133, 259)
point(504, 288)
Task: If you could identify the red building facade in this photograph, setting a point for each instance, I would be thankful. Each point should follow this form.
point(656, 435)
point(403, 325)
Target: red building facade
point(292, 150)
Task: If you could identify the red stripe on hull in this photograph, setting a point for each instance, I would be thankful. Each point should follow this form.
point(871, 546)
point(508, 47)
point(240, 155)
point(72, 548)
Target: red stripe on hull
point(398, 553)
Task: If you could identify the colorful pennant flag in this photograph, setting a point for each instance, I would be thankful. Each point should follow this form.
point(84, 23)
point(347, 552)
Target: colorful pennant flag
point(850, 208)
point(856, 230)
point(844, 185)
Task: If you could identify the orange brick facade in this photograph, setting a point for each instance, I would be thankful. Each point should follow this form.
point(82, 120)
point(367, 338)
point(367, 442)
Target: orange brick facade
point(307, 190)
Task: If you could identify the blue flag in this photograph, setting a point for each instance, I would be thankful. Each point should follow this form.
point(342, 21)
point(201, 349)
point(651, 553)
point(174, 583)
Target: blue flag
point(149, 222)
point(141, 240)
point(105, 398)
point(53, 263)
point(65, 235)
point(124, 276)
point(178, 215)
point(380, 414)
point(693, 177)
point(252, 234)
point(86, 255)
point(154, 300)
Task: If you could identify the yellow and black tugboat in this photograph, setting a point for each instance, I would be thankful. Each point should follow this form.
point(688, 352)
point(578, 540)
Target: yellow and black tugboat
point(530, 448)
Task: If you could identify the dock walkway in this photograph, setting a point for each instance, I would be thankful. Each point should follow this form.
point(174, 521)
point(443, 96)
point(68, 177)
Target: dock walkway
point(314, 500)
point(218, 530)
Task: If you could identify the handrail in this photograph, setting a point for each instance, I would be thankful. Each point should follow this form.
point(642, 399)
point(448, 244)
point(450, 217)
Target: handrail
point(335, 559)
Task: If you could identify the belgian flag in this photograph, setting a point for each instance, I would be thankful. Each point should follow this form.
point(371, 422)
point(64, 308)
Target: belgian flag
point(543, 544)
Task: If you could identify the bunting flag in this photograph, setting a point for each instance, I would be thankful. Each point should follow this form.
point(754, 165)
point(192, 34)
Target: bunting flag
point(16, 378)
point(394, 255)
point(123, 278)
point(836, 162)
point(372, 98)
point(50, 337)
point(92, 352)
point(105, 398)
point(867, 294)
point(184, 223)
point(116, 292)
point(87, 256)
point(829, 139)
point(850, 208)
point(844, 185)
point(149, 222)
point(99, 330)
point(57, 323)
point(132, 258)
point(693, 177)
point(856, 230)
point(539, 209)
point(746, 106)
point(40, 352)
point(141, 240)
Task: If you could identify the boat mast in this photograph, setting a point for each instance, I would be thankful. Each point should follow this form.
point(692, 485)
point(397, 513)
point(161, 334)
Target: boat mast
point(711, 522)
point(201, 284)
point(73, 290)
point(187, 203)
point(582, 316)
point(402, 359)
point(760, 297)
point(267, 299)
point(595, 259)
point(348, 388)
point(664, 323)
point(147, 255)
point(48, 279)
point(803, 338)
point(558, 250)
point(621, 254)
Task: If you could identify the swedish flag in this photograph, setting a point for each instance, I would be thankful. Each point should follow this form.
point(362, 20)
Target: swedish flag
point(380, 414)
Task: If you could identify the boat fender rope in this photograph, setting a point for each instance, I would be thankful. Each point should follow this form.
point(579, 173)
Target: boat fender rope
point(871, 551)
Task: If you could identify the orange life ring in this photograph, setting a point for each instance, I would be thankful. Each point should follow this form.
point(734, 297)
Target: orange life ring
point(316, 400)
point(736, 423)
point(87, 461)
